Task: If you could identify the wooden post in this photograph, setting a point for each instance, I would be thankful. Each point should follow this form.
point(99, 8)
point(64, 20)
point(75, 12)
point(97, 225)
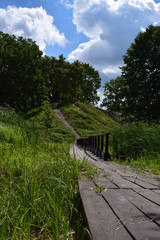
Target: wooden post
point(101, 151)
point(106, 155)
point(95, 144)
point(98, 146)
point(85, 143)
point(92, 141)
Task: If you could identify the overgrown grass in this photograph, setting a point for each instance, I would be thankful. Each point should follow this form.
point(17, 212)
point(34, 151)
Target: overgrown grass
point(139, 145)
point(88, 120)
point(45, 123)
point(38, 180)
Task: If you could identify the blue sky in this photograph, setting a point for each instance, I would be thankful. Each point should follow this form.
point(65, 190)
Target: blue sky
point(94, 31)
point(62, 15)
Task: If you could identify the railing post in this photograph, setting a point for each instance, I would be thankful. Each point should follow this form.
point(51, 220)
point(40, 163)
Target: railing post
point(92, 143)
point(101, 151)
point(98, 146)
point(106, 155)
point(88, 143)
point(85, 143)
point(95, 144)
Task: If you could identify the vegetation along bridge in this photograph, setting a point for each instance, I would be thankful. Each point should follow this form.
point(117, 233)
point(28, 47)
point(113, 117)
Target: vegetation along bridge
point(120, 203)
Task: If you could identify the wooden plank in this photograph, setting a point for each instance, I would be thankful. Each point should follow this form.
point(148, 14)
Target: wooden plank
point(156, 191)
point(126, 171)
point(120, 182)
point(102, 222)
point(115, 175)
point(119, 170)
point(152, 182)
point(141, 183)
point(104, 182)
point(150, 195)
point(155, 181)
point(134, 220)
point(149, 208)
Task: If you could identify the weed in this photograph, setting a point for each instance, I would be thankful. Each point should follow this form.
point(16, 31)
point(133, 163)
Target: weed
point(99, 188)
point(87, 169)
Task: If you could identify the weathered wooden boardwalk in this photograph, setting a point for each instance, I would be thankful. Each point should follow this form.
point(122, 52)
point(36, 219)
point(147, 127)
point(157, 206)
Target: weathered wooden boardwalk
point(121, 203)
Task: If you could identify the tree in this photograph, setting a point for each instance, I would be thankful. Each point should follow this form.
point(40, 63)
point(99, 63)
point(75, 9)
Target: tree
point(22, 83)
point(27, 78)
point(137, 91)
point(114, 95)
point(91, 82)
point(141, 75)
point(71, 82)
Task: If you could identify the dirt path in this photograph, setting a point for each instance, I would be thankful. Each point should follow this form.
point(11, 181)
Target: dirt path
point(64, 121)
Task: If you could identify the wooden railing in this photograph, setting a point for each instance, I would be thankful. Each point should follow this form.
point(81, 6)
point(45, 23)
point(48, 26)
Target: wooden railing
point(97, 144)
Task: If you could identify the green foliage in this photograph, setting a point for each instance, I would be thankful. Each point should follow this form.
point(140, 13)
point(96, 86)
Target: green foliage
point(27, 78)
point(88, 120)
point(38, 182)
point(46, 124)
point(114, 95)
point(141, 75)
point(145, 163)
point(21, 82)
point(137, 92)
point(73, 81)
point(138, 143)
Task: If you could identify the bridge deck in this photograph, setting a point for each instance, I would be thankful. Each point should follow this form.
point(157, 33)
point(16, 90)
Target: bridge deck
point(121, 203)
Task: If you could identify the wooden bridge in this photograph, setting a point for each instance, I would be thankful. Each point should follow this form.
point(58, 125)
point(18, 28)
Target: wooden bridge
point(121, 203)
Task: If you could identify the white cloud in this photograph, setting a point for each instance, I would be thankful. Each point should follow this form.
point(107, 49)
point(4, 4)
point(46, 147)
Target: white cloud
point(32, 23)
point(67, 3)
point(111, 27)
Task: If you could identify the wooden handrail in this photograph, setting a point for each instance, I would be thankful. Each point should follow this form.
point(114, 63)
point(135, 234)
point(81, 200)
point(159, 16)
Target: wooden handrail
point(97, 144)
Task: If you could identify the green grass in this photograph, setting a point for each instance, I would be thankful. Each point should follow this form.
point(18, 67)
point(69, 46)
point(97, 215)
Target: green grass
point(139, 145)
point(38, 179)
point(45, 123)
point(88, 120)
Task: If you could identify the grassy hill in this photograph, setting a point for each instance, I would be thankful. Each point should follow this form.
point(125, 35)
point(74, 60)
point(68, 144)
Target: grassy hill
point(38, 178)
point(136, 144)
point(88, 120)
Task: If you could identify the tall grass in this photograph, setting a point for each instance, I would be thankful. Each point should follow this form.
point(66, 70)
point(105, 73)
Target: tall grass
point(38, 182)
point(88, 120)
point(139, 144)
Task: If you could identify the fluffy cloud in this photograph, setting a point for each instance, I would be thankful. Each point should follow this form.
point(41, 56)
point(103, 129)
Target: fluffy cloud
point(110, 26)
point(31, 23)
point(67, 3)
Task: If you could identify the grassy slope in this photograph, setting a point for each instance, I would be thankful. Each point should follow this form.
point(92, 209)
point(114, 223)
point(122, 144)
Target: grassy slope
point(88, 120)
point(138, 143)
point(38, 178)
